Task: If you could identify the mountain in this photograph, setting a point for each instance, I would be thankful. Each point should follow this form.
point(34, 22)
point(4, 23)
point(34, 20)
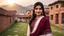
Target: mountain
point(30, 7)
point(18, 8)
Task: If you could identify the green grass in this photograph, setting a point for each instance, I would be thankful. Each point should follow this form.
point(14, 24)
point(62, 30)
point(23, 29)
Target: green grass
point(56, 31)
point(16, 29)
point(20, 29)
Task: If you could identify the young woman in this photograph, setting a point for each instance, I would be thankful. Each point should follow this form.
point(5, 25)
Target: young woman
point(39, 24)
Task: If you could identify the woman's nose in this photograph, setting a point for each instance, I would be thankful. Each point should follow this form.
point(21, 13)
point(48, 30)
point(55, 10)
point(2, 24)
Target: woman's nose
point(38, 10)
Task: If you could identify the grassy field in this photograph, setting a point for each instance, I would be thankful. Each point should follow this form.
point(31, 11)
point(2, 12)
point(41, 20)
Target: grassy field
point(56, 31)
point(19, 29)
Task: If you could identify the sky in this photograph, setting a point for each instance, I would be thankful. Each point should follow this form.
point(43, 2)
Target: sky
point(25, 2)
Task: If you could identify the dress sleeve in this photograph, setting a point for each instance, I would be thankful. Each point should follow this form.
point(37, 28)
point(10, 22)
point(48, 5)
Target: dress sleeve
point(47, 29)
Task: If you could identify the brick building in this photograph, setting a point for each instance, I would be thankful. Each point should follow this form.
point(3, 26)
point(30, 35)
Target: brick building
point(7, 18)
point(56, 13)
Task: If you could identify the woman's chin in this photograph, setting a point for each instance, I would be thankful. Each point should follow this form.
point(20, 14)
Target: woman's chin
point(38, 15)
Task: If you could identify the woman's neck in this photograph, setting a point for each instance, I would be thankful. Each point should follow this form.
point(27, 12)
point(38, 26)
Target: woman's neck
point(37, 17)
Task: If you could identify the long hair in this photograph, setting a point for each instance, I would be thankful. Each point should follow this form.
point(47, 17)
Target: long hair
point(34, 15)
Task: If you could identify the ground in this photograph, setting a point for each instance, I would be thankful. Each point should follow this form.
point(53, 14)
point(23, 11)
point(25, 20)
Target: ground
point(56, 31)
point(20, 28)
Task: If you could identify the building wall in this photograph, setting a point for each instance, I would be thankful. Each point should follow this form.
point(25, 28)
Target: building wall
point(5, 22)
point(55, 11)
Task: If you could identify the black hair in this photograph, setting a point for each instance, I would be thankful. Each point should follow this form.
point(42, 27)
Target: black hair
point(34, 15)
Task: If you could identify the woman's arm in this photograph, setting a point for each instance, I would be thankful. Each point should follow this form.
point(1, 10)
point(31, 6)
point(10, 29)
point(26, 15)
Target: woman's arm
point(28, 30)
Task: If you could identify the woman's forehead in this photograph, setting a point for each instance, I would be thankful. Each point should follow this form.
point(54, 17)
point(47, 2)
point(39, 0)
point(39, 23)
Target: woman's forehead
point(38, 6)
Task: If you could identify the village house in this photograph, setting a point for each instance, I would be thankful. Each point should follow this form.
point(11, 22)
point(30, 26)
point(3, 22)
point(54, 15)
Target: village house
point(7, 18)
point(46, 10)
point(20, 17)
point(56, 13)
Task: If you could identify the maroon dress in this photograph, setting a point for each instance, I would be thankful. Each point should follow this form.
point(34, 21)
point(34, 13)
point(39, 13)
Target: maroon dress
point(42, 29)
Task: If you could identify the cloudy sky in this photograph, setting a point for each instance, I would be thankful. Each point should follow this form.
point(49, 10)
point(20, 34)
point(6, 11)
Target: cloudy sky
point(25, 2)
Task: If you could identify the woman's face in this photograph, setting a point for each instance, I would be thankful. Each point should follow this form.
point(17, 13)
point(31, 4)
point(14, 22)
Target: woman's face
point(38, 10)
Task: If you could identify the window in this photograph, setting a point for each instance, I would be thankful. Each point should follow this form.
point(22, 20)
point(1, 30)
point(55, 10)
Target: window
point(10, 20)
point(62, 5)
point(62, 18)
point(51, 17)
point(51, 8)
point(56, 19)
point(57, 6)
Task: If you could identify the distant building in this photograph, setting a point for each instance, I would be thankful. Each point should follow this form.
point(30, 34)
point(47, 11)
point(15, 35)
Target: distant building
point(47, 12)
point(56, 12)
point(21, 17)
point(29, 13)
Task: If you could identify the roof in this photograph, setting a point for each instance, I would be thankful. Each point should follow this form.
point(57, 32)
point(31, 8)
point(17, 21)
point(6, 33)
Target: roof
point(20, 16)
point(56, 2)
point(6, 12)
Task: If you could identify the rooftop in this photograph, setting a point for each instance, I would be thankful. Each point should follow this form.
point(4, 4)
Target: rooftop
point(59, 1)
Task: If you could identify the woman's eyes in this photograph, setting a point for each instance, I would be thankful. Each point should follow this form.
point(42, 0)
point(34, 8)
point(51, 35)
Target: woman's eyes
point(39, 8)
point(36, 8)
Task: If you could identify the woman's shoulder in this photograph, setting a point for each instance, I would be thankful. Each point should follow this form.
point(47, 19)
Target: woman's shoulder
point(44, 18)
